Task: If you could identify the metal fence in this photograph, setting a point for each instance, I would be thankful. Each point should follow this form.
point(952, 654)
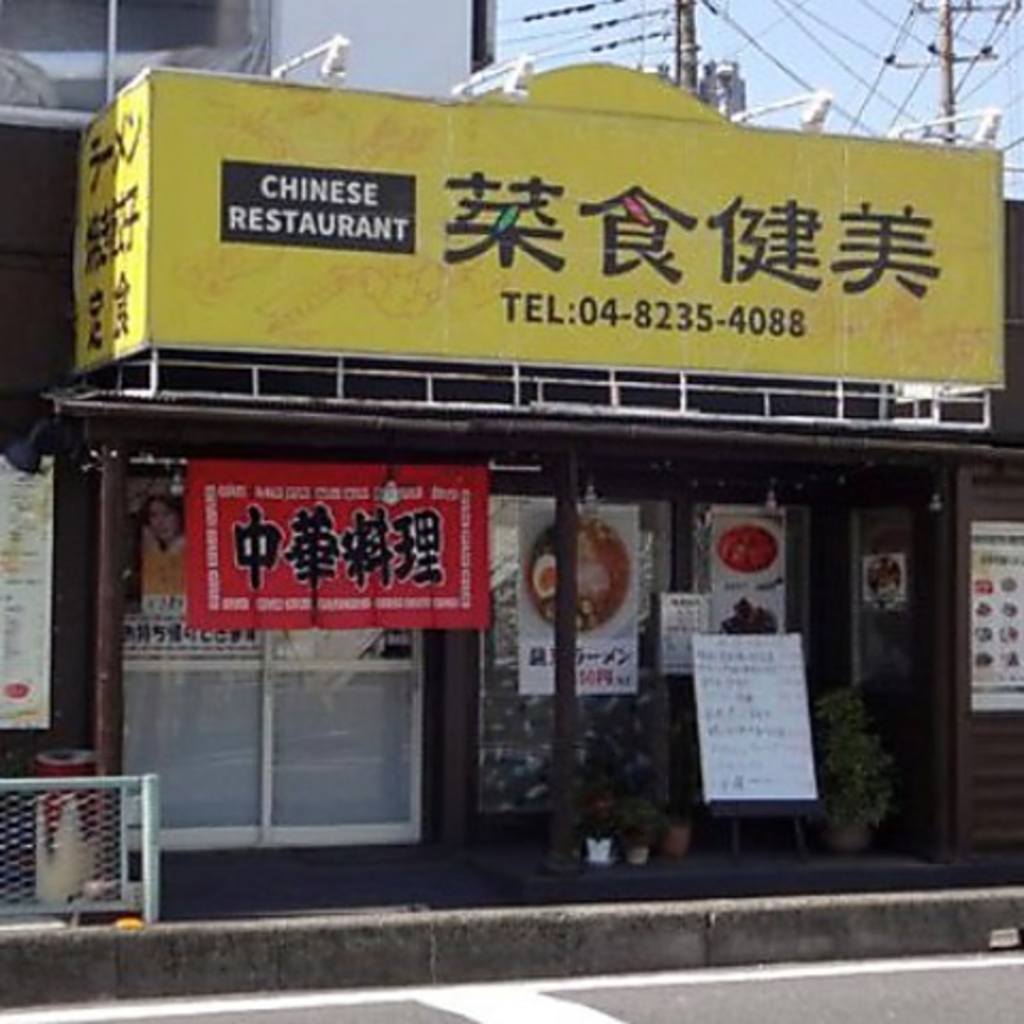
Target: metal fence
point(74, 846)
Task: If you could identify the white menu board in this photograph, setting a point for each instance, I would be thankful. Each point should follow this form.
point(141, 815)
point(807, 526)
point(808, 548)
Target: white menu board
point(753, 720)
point(997, 616)
point(26, 565)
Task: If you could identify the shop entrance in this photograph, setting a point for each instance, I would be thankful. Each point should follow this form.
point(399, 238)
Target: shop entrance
point(276, 738)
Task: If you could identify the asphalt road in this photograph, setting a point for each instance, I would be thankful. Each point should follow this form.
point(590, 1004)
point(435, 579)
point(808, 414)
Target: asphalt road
point(934, 991)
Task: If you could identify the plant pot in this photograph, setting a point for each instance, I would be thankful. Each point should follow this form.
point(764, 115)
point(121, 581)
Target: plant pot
point(637, 855)
point(675, 843)
point(599, 852)
point(845, 838)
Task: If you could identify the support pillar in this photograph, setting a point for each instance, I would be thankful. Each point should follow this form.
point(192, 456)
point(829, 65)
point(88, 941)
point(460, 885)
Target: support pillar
point(108, 691)
point(563, 852)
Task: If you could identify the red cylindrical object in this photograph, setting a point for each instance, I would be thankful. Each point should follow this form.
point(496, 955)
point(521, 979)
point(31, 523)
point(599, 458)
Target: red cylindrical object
point(66, 763)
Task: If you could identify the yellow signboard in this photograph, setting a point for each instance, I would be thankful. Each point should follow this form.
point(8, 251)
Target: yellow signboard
point(608, 220)
point(113, 236)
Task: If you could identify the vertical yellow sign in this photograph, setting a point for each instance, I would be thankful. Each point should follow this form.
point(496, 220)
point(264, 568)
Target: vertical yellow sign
point(111, 251)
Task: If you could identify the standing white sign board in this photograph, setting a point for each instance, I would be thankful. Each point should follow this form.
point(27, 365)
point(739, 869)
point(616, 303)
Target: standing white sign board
point(753, 722)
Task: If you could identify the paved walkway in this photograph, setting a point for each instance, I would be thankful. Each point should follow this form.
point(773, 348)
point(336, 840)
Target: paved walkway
point(258, 883)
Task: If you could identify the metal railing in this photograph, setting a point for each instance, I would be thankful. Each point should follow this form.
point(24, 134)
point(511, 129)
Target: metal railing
point(408, 384)
point(74, 846)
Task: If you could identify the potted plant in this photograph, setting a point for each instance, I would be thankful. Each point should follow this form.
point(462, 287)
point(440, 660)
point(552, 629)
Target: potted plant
point(855, 772)
point(595, 815)
point(639, 824)
point(683, 786)
point(677, 835)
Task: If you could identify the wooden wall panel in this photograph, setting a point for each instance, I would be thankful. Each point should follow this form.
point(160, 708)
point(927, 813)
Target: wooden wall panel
point(997, 782)
point(992, 772)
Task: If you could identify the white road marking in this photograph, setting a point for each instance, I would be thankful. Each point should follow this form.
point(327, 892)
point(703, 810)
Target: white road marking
point(488, 1004)
point(213, 1006)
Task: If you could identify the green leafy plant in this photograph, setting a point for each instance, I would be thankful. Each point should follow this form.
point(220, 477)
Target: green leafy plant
point(855, 771)
point(595, 806)
point(638, 820)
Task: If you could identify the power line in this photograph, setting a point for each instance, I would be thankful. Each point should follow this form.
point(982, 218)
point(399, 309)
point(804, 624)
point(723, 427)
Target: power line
point(564, 50)
point(1000, 66)
point(883, 67)
point(943, 53)
point(922, 75)
point(1011, 145)
point(614, 44)
point(533, 37)
point(826, 24)
point(768, 55)
point(882, 15)
point(721, 10)
point(989, 45)
point(852, 72)
point(753, 41)
point(595, 26)
point(558, 12)
point(558, 50)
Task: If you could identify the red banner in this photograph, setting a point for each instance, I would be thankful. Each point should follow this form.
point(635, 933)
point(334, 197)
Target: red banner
point(293, 546)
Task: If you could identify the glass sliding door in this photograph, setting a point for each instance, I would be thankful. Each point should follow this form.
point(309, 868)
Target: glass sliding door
point(344, 744)
point(311, 739)
point(197, 725)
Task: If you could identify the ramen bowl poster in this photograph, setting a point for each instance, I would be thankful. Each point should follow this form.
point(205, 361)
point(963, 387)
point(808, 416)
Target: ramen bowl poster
point(607, 604)
point(748, 570)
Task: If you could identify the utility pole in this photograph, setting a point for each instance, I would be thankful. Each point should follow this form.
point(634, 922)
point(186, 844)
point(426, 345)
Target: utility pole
point(686, 45)
point(947, 58)
point(943, 50)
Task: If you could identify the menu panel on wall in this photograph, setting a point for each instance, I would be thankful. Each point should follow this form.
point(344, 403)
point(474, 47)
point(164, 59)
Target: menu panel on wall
point(753, 722)
point(680, 618)
point(997, 604)
point(26, 565)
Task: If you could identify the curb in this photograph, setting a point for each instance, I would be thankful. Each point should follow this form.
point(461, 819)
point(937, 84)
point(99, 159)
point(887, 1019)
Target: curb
point(102, 963)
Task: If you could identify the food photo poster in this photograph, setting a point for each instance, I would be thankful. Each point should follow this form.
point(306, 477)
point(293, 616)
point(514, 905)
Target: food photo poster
point(747, 570)
point(607, 612)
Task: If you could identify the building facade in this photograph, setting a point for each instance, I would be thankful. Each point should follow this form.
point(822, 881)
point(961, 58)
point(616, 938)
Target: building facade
point(240, 340)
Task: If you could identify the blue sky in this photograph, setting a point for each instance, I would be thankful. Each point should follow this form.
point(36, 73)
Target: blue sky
point(872, 55)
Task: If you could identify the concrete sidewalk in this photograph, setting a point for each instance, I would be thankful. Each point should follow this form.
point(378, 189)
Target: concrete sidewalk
point(419, 947)
point(203, 886)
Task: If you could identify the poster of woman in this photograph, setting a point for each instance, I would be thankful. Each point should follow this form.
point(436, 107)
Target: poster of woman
point(158, 543)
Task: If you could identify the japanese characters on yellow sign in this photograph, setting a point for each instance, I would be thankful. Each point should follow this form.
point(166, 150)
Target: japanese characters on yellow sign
point(113, 230)
point(608, 220)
